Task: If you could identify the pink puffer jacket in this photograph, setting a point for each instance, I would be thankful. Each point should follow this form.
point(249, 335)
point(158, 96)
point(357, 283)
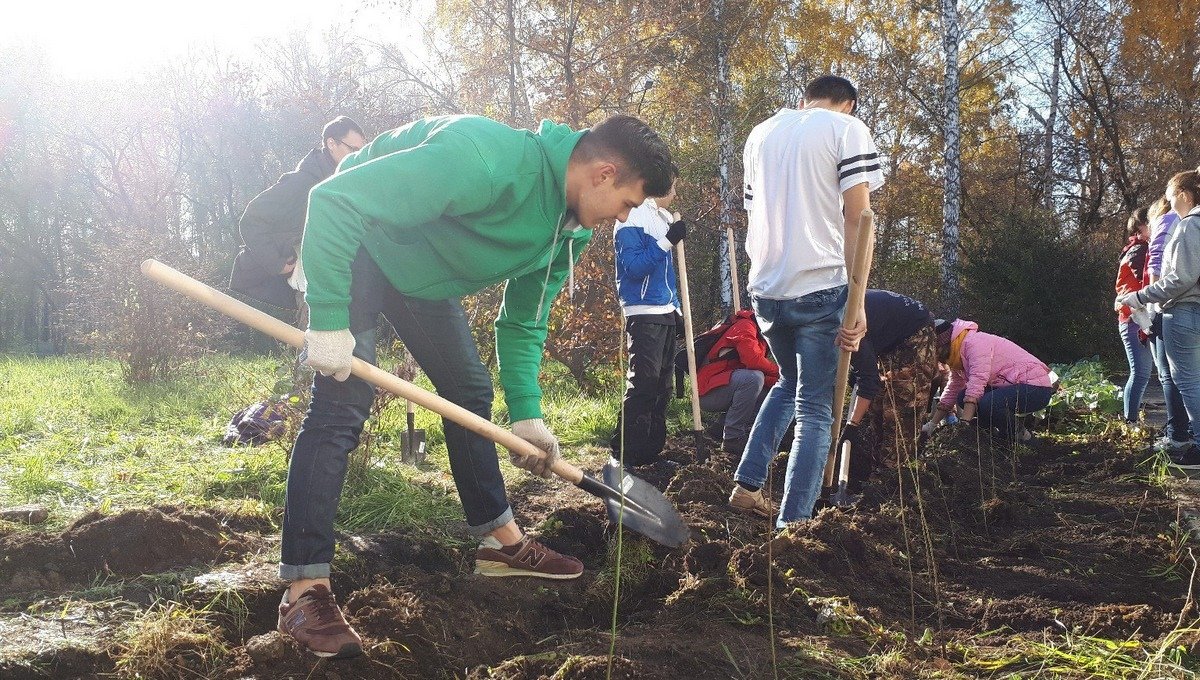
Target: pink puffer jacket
point(991, 361)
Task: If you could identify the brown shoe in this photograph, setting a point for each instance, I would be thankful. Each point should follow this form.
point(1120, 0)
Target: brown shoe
point(527, 558)
point(751, 501)
point(316, 622)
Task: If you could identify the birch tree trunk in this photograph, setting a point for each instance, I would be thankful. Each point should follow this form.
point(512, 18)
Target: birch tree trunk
point(1048, 149)
point(951, 157)
point(725, 149)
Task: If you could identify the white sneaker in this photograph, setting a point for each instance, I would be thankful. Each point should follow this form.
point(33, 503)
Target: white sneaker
point(1169, 445)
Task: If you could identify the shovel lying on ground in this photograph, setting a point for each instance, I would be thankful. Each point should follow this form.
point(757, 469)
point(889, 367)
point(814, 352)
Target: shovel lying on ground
point(635, 504)
point(412, 441)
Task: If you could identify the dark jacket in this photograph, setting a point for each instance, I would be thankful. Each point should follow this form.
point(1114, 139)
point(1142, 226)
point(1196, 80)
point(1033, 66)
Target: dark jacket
point(891, 319)
point(271, 228)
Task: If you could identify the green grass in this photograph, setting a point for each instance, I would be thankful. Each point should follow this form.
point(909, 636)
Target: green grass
point(74, 437)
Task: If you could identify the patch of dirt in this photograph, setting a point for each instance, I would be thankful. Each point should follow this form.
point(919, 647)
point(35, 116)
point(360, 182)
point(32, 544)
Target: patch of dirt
point(972, 539)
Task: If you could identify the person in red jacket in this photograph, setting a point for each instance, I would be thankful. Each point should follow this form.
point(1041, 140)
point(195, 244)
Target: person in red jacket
point(1131, 277)
point(734, 377)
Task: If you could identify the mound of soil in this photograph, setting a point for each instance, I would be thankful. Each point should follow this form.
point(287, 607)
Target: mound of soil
point(134, 542)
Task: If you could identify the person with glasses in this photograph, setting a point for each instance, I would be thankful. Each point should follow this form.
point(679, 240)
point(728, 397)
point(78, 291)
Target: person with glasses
point(809, 174)
point(267, 266)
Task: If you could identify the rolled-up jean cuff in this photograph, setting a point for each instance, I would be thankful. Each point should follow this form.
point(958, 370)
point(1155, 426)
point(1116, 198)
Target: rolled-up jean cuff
point(293, 572)
point(487, 528)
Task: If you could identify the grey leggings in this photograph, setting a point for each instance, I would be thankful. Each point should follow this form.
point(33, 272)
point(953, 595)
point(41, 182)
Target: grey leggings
point(739, 399)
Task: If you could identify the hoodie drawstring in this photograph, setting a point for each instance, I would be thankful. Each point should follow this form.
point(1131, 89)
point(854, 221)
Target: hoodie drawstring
point(571, 269)
point(549, 266)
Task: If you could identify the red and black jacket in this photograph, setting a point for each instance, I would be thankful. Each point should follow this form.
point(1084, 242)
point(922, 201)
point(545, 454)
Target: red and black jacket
point(1131, 270)
point(741, 346)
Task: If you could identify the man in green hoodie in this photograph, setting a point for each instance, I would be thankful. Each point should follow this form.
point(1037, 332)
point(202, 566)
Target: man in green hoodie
point(424, 214)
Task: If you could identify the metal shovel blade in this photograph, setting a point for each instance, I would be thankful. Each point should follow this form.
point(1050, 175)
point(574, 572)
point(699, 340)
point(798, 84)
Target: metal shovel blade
point(638, 506)
point(412, 442)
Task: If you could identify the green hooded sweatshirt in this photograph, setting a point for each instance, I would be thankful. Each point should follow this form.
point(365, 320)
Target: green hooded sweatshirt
point(446, 207)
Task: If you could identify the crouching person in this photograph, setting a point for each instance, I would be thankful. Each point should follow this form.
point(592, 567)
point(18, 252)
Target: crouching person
point(893, 370)
point(990, 377)
point(734, 377)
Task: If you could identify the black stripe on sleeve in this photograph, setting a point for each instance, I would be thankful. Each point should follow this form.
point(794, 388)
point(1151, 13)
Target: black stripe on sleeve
point(855, 171)
point(855, 159)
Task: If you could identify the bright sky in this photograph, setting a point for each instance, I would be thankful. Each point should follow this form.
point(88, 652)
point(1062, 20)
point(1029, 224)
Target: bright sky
point(106, 38)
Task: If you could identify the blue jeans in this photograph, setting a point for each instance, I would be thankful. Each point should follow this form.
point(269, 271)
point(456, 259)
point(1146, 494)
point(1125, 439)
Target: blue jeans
point(1181, 335)
point(1179, 426)
point(436, 333)
point(802, 334)
point(1139, 357)
point(999, 406)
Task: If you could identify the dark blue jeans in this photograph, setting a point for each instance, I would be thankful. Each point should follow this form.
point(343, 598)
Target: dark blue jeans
point(802, 334)
point(999, 406)
point(1140, 359)
point(436, 333)
point(1179, 426)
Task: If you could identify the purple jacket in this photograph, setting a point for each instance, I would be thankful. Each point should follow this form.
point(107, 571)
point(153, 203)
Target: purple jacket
point(991, 361)
point(1158, 241)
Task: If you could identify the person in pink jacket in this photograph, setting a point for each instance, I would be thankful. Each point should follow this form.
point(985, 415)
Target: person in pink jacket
point(990, 377)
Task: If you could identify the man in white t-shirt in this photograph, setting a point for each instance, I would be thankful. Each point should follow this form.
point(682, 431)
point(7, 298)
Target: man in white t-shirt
point(809, 174)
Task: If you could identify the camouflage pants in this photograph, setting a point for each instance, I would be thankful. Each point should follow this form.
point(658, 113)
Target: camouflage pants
point(897, 413)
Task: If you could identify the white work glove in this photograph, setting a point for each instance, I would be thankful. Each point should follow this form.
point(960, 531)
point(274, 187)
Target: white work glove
point(928, 428)
point(1142, 318)
point(1130, 300)
point(329, 352)
point(534, 431)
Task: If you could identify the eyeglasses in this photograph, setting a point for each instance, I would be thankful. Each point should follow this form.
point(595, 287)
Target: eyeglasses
point(348, 146)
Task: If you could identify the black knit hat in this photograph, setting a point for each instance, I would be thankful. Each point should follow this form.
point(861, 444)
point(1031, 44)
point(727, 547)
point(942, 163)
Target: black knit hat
point(943, 327)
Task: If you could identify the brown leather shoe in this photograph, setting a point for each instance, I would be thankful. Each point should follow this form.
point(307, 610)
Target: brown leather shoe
point(527, 558)
point(316, 622)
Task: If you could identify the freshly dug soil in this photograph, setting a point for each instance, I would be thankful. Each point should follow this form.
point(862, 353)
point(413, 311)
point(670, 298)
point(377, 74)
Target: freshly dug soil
point(130, 543)
point(972, 545)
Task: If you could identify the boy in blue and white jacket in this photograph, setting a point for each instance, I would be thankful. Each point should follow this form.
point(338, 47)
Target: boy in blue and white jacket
point(650, 303)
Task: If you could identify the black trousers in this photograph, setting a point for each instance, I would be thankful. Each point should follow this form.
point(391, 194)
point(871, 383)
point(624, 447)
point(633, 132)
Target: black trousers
point(650, 340)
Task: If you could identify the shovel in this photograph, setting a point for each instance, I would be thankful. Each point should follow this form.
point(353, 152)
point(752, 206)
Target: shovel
point(412, 442)
point(858, 291)
point(689, 340)
point(841, 497)
point(630, 501)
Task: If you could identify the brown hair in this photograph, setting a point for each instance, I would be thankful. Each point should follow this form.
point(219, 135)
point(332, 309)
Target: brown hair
point(1188, 181)
point(1159, 208)
point(1136, 219)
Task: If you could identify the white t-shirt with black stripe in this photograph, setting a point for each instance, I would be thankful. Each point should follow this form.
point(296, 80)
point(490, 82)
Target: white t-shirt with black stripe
point(797, 164)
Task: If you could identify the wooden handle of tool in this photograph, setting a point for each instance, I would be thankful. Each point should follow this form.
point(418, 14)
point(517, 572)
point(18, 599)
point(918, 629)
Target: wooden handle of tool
point(688, 333)
point(731, 243)
point(863, 251)
point(283, 332)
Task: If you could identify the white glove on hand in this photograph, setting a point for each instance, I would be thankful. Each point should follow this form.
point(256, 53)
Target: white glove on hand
point(1130, 300)
point(329, 352)
point(534, 431)
point(928, 428)
point(1142, 318)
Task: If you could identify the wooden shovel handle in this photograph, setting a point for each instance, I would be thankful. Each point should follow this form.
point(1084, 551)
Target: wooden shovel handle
point(283, 332)
point(688, 333)
point(863, 252)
